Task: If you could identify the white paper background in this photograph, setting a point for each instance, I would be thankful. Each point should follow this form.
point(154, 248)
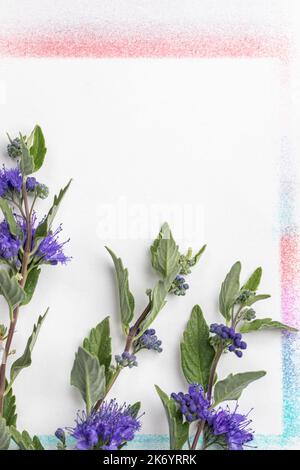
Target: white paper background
point(142, 138)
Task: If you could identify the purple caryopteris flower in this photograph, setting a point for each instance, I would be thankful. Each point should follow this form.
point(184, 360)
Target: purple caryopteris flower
point(229, 335)
point(11, 179)
point(193, 405)
point(148, 340)
point(3, 185)
point(9, 246)
point(232, 426)
point(31, 183)
point(60, 435)
point(107, 429)
point(126, 360)
point(51, 250)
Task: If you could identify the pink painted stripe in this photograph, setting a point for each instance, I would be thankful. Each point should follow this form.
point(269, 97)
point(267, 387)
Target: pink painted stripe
point(290, 278)
point(96, 44)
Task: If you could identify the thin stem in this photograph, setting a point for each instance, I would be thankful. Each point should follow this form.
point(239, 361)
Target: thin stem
point(235, 317)
point(32, 205)
point(129, 340)
point(18, 206)
point(211, 379)
point(213, 369)
point(134, 329)
point(24, 272)
point(198, 434)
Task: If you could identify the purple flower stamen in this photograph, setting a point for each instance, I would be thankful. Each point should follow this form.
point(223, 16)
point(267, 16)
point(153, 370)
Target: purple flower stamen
point(106, 429)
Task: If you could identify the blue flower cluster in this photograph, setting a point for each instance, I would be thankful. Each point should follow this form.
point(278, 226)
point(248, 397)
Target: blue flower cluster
point(11, 180)
point(230, 425)
point(106, 429)
point(227, 333)
point(193, 405)
point(126, 360)
point(179, 286)
point(9, 246)
point(148, 340)
point(50, 250)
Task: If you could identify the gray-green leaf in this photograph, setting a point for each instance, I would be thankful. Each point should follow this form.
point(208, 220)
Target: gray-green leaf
point(178, 430)
point(10, 289)
point(4, 434)
point(198, 255)
point(164, 252)
point(9, 408)
point(254, 280)
point(197, 353)
point(256, 298)
point(158, 300)
point(30, 285)
point(45, 226)
point(9, 216)
point(135, 408)
point(230, 290)
point(231, 388)
point(265, 324)
point(24, 441)
point(26, 162)
point(98, 343)
point(89, 377)
point(25, 360)
point(126, 298)
point(37, 149)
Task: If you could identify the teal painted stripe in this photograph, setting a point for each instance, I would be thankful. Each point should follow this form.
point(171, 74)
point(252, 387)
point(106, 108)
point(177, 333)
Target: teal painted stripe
point(161, 442)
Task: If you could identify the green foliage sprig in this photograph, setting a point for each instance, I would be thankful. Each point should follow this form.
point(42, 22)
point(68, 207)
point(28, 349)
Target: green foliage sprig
point(201, 349)
point(94, 372)
point(24, 247)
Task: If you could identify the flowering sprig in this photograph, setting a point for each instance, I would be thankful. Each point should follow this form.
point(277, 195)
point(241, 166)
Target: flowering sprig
point(201, 350)
point(94, 372)
point(25, 245)
point(109, 428)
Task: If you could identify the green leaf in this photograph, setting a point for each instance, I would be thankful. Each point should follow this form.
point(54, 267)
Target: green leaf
point(24, 441)
point(126, 298)
point(4, 434)
point(89, 377)
point(158, 300)
point(9, 216)
point(254, 280)
point(135, 408)
point(36, 145)
point(197, 353)
point(265, 324)
point(98, 344)
point(45, 226)
point(26, 162)
point(230, 290)
point(231, 388)
point(10, 290)
point(256, 298)
point(37, 443)
point(30, 285)
point(164, 252)
point(9, 408)
point(198, 255)
point(178, 430)
point(25, 360)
